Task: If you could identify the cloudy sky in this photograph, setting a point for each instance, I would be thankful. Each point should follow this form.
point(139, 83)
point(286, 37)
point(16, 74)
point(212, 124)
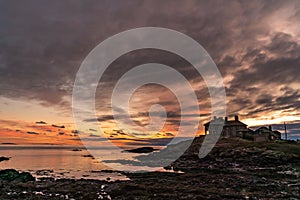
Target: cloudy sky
point(255, 45)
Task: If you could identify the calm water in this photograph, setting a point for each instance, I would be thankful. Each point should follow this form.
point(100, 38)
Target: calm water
point(55, 161)
point(62, 162)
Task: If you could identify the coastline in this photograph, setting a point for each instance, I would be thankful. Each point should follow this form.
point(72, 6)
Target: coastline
point(235, 169)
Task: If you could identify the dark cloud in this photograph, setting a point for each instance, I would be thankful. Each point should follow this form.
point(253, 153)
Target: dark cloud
point(58, 126)
point(32, 133)
point(170, 115)
point(41, 122)
point(272, 67)
point(289, 99)
point(264, 99)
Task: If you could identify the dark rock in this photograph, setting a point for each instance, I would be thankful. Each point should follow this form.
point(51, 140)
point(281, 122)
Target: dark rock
point(141, 150)
point(14, 175)
point(76, 149)
point(2, 158)
point(25, 177)
point(87, 156)
point(168, 167)
point(44, 172)
point(9, 143)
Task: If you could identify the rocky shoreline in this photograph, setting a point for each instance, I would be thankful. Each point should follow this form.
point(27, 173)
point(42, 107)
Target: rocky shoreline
point(235, 169)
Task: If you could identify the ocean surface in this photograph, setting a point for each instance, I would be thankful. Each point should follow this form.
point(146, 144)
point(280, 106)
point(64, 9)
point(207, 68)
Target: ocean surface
point(56, 162)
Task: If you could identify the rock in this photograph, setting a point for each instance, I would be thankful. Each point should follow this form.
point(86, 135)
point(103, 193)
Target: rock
point(14, 175)
point(44, 172)
point(168, 167)
point(76, 150)
point(141, 150)
point(2, 158)
point(25, 177)
point(87, 156)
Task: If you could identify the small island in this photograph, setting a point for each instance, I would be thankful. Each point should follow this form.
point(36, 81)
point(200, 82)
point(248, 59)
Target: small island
point(141, 150)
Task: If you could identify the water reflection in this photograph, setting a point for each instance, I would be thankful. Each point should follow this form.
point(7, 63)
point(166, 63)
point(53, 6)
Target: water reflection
point(55, 162)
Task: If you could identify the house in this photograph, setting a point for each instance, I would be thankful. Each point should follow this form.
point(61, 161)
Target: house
point(236, 128)
point(231, 128)
point(266, 134)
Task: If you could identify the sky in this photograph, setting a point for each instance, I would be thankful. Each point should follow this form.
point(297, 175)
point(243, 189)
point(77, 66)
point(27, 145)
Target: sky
point(254, 44)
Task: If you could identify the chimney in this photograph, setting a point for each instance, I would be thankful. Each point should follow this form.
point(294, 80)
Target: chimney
point(226, 119)
point(236, 118)
point(215, 117)
point(270, 128)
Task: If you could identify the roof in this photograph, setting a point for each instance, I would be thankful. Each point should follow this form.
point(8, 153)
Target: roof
point(263, 128)
point(246, 130)
point(234, 123)
point(266, 130)
point(276, 133)
point(229, 123)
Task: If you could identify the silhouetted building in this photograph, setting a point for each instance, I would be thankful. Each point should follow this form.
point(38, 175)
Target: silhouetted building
point(231, 128)
point(236, 128)
point(265, 134)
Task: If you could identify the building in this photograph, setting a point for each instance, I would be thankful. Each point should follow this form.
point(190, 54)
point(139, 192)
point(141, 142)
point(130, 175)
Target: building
point(265, 134)
point(231, 128)
point(236, 128)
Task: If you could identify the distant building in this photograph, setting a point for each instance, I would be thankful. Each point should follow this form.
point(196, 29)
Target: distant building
point(265, 134)
point(236, 128)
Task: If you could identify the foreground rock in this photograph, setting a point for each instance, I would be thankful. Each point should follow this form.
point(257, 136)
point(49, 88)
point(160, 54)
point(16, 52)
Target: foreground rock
point(241, 154)
point(54, 189)
point(13, 175)
point(201, 184)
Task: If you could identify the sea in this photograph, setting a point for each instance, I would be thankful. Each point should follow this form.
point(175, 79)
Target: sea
point(75, 162)
point(56, 162)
